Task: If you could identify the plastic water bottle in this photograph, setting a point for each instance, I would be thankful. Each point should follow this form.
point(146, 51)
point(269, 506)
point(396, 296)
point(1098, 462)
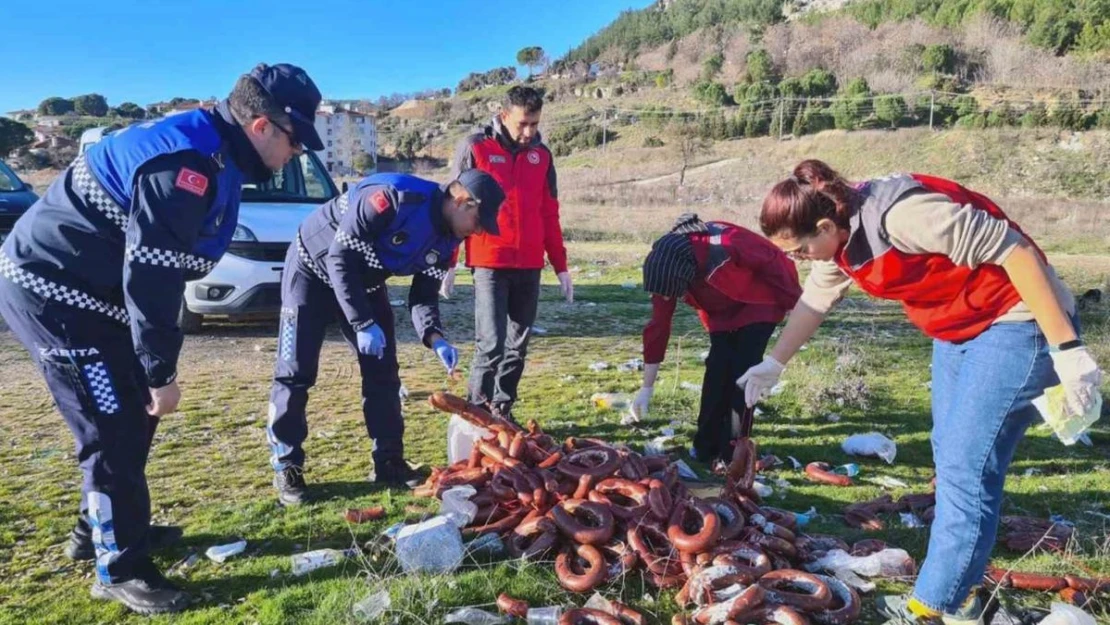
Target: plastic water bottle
point(616, 401)
point(304, 563)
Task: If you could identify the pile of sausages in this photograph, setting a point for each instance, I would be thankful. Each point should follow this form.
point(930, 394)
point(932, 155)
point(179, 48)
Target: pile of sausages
point(865, 515)
point(605, 511)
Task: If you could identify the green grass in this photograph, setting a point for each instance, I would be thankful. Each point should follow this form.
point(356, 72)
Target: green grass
point(209, 469)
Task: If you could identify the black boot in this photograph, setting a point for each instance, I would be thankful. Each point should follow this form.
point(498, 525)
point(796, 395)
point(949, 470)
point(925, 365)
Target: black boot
point(80, 545)
point(148, 592)
point(290, 485)
point(395, 473)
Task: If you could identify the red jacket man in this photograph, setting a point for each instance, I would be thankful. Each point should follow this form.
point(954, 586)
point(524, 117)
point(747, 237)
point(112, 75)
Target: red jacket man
point(507, 266)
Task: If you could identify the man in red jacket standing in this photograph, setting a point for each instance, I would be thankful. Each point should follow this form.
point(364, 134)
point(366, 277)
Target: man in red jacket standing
point(507, 266)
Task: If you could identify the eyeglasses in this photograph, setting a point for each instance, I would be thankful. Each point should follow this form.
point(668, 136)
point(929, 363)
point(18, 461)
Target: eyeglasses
point(801, 252)
point(293, 143)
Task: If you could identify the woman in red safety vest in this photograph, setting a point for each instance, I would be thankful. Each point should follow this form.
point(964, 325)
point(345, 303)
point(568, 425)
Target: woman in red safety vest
point(1003, 326)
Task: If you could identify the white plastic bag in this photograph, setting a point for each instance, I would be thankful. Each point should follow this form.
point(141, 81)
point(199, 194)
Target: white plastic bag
point(434, 545)
point(456, 505)
point(885, 563)
point(870, 444)
point(1068, 427)
point(461, 438)
point(474, 616)
point(1064, 614)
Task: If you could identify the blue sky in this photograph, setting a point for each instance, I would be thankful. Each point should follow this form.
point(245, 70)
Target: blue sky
point(150, 51)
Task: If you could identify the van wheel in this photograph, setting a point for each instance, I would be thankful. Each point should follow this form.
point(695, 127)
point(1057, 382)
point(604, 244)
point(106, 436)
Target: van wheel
point(189, 322)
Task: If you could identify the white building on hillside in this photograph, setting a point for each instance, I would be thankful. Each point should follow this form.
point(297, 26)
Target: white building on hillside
point(346, 135)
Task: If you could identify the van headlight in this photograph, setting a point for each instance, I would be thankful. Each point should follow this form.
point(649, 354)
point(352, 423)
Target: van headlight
point(243, 233)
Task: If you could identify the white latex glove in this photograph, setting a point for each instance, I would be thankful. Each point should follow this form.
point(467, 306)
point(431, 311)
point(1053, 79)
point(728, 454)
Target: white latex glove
point(639, 408)
point(447, 286)
point(566, 286)
point(1080, 376)
point(758, 381)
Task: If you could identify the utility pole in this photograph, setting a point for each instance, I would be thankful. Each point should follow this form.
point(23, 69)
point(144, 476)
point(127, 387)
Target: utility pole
point(932, 106)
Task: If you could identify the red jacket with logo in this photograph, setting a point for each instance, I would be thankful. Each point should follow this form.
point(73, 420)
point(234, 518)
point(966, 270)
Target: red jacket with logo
point(946, 301)
point(742, 278)
point(529, 218)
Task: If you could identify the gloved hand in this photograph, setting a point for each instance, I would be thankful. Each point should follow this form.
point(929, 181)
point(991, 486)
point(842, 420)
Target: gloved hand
point(639, 407)
point(371, 341)
point(566, 286)
point(447, 286)
point(164, 400)
point(1080, 376)
point(447, 353)
point(760, 379)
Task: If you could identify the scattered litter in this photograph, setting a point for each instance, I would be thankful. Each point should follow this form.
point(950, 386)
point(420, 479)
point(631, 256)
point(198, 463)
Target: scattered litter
point(593, 274)
point(184, 564)
point(489, 545)
point(1085, 438)
point(569, 378)
point(648, 599)
point(455, 504)
point(372, 606)
point(803, 518)
point(1064, 614)
point(597, 602)
point(783, 486)
point(803, 348)
point(685, 472)
point(636, 364)
point(794, 462)
point(220, 553)
point(1059, 519)
point(704, 355)
point(589, 304)
point(888, 482)
point(669, 432)
point(657, 446)
point(1068, 427)
point(911, 520)
point(434, 546)
point(629, 419)
point(763, 490)
point(690, 386)
point(886, 563)
point(851, 470)
point(757, 412)
point(538, 331)
point(403, 393)
point(599, 366)
point(778, 388)
point(389, 532)
point(544, 616)
point(474, 616)
point(832, 417)
point(629, 285)
point(853, 580)
point(397, 303)
point(274, 573)
point(304, 563)
point(1032, 472)
point(462, 435)
point(616, 401)
point(362, 515)
point(870, 444)
point(1098, 514)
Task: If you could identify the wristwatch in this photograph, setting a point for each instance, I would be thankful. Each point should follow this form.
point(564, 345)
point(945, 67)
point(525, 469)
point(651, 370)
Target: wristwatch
point(1065, 346)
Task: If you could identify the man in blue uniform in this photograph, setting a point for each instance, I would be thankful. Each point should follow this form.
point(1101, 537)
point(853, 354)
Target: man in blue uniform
point(386, 225)
point(91, 282)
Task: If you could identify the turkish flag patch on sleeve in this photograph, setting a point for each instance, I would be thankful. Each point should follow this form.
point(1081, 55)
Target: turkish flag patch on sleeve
point(192, 181)
point(379, 201)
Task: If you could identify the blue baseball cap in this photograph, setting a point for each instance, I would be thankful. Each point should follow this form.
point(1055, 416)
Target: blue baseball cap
point(483, 188)
point(294, 91)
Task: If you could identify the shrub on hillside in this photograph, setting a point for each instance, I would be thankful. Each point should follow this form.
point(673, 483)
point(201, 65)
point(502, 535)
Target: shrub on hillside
point(653, 142)
point(711, 93)
point(939, 58)
point(1035, 117)
point(761, 67)
point(565, 139)
point(890, 109)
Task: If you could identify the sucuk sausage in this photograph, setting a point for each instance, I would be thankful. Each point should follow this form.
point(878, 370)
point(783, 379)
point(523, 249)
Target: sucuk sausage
point(552, 460)
point(655, 549)
point(620, 557)
point(587, 616)
point(516, 446)
point(492, 451)
point(845, 607)
point(777, 614)
point(749, 599)
point(625, 614)
point(742, 468)
point(797, 589)
point(822, 473)
point(1026, 581)
point(600, 525)
point(584, 484)
point(770, 543)
point(1087, 585)
point(567, 565)
point(746, 558)
point(533, 538)
point(512, 607)
point(732, 519)
point(784, 518)
point(866, 547)
point(453, 404)
point(627, 491)
point(707, 524)
point(599, 462)
point(511, 520)
point(659, 500)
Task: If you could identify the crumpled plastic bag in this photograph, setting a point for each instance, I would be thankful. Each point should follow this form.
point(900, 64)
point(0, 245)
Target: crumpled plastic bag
point(870, 444)
point(1069, 428)
point(456, 505)
point(433, 546)
point(1064, 614)
point(889, 562)
point(461, 438)
point(474, 616)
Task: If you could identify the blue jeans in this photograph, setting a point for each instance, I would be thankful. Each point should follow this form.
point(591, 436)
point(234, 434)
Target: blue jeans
point(981, 393)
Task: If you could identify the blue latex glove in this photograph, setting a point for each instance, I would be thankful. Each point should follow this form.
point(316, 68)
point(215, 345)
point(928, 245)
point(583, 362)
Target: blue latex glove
point(447, 354)
point(371, 341)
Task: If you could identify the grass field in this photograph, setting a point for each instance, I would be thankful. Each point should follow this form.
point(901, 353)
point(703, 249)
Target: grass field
point(209, 469)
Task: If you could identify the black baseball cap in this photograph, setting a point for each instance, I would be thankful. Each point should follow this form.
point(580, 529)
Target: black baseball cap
point(294, 91)
point(483, 188)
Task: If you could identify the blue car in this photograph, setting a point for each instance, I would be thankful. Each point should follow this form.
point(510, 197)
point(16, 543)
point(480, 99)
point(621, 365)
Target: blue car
point(16, 197)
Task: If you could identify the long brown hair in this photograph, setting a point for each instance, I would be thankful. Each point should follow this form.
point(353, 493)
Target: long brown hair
point(815, 192)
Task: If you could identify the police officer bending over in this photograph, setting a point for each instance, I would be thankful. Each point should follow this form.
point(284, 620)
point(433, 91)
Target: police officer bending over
point(387, 225)
point(91, 282)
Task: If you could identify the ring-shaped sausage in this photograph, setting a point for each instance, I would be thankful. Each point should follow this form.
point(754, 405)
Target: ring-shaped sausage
point(599, 462)
point(625, 498)
point(533, 538)
point(585, 522)
point(846, 603)
point(694, 526)
point(584, 558)
point(732, 519)
point(797, 589)
point(587, 616)
point(655, 549)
